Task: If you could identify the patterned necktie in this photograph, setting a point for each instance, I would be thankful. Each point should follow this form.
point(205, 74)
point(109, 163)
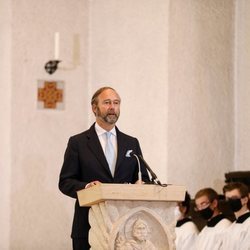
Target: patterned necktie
point(110, 153)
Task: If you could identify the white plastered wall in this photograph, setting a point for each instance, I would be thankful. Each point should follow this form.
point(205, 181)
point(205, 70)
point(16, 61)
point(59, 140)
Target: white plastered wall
point(41, 216)
point(128, 51)
point(242, 86)
point(201, 100)
point(5, 122)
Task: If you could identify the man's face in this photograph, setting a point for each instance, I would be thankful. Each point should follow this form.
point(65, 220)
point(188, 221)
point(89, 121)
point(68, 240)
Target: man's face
point(206, 208)
point(107, 109)
point(140, 232)
point(233, 194)
point(202, 202)
point(237, 203)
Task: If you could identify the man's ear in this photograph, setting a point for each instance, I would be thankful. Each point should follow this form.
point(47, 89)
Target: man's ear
point(214, 203)
point(244, 200)
point(94, 108)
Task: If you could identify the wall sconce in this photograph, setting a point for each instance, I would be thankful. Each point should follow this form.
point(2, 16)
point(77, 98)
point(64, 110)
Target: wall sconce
point(51, 66)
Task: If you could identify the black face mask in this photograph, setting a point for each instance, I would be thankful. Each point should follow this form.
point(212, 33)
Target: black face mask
point(234, 204)
point(206, 213)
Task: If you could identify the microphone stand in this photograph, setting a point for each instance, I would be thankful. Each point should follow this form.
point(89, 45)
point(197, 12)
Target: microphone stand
point(154, 179)
point(153, 175)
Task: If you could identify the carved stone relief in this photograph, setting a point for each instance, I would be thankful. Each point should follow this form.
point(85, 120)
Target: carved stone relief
point(125, 225)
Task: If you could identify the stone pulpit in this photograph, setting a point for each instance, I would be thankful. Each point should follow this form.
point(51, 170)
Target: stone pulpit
point(131, 216)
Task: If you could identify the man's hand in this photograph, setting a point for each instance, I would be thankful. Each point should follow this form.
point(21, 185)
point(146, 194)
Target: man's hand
point(93, 183)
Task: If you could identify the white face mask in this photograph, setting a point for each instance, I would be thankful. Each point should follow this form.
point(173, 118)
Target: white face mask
point(177, 213)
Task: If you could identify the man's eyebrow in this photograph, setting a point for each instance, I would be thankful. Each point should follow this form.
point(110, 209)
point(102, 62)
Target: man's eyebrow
point(115, 100)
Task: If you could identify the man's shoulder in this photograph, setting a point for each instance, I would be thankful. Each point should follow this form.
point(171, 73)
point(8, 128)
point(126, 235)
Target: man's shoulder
point(83, 134)
point(191, 226)
point(79, 135)
point(123, 135)
point(247, 222)
point(224, 223)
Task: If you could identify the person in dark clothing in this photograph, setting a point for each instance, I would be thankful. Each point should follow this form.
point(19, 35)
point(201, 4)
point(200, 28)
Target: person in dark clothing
point(98, 155)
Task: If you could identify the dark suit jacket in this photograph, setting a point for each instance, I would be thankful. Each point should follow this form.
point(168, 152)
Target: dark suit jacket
point(84, 161)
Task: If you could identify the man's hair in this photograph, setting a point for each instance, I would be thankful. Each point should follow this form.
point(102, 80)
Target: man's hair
point(209, 192)
point(94, 99)
point(241, 187)
point(140, 222)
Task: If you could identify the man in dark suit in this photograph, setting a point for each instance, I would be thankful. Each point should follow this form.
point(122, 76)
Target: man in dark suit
point(85, 163)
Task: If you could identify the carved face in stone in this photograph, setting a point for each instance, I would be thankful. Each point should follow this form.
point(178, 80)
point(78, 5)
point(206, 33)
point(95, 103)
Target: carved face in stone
point(140, 230)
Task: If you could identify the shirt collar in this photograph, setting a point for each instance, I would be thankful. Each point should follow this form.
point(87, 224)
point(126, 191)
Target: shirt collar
point(243, 217)
point(215, 220)
point(179, 223)
point(100, 131)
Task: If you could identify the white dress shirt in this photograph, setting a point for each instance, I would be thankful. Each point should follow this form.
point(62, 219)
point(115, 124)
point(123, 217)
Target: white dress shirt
point(101, 133)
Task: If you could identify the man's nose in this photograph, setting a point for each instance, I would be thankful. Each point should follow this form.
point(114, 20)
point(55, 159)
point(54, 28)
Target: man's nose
point(111, 106)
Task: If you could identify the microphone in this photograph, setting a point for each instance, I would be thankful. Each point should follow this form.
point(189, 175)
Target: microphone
point(153, 175)
point(129, 154)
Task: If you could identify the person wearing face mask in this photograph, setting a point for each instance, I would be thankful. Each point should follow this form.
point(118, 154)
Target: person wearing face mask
point(210, 237)
point(238, 234)
point(185, 230)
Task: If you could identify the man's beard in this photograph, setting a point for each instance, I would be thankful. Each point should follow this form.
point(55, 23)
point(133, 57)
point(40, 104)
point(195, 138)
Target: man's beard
point(109, 117)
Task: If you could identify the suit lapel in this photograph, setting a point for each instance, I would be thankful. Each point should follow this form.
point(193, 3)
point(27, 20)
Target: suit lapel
point(96, 148)
point(121, 148)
